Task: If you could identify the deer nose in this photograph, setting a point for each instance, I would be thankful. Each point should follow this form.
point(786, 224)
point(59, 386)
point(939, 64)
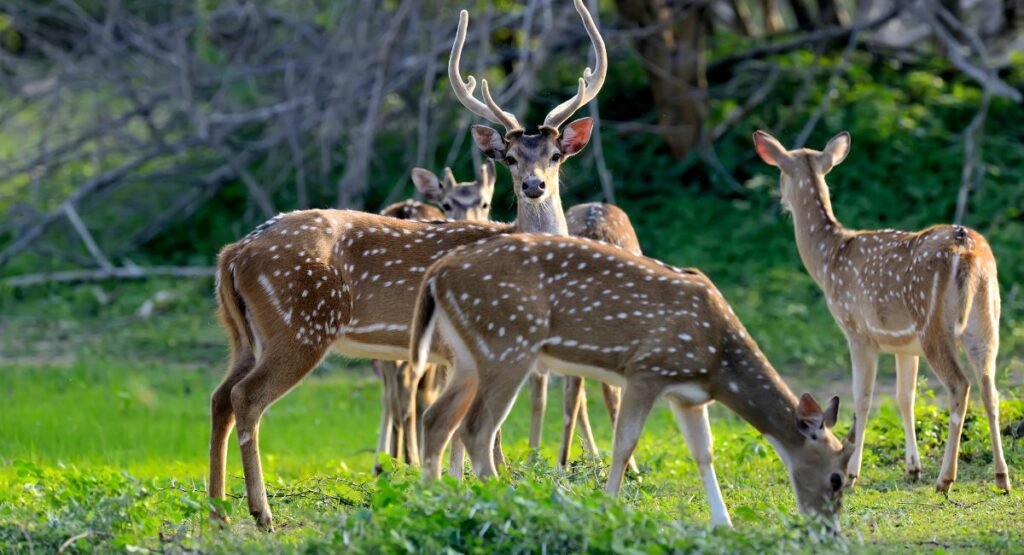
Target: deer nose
point(533, 187)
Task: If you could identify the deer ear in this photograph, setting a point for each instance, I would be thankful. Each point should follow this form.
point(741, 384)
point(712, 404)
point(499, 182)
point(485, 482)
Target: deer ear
point(575, 136)
point(835, 152)
point(448, 182)
point(831, 413)
point(427, 184)
point(769, 149)
point(809, 417)
point(487, 176)
point(490, 142)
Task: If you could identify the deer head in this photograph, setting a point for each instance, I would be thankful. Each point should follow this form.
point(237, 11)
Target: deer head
point(470, 200)
point(817, 466)
point(803, 167)
point(532, 159)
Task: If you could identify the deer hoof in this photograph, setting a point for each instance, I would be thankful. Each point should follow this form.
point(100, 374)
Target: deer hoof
point(264, 521)
point(851, 480)
point(220, 519)
point(912, 474)
point(1003, 482)
point(943, 485)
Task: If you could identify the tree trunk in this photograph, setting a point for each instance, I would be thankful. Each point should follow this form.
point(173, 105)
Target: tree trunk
point(740, 17)
point(673, 53)
point(831, 13)
point(772, 18)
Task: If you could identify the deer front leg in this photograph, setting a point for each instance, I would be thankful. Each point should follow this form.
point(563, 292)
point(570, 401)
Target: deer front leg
point(612, 400)
point(864, 358)
point(538, 405)
point(693, 422)
point(573, 395)
point(637, 400)
point(906, 385)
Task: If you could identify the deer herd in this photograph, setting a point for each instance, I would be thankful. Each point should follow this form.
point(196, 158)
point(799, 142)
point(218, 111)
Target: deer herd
point(477, 308)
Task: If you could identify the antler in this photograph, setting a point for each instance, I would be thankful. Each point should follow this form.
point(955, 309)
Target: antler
point(591, 82)
point(464, 89)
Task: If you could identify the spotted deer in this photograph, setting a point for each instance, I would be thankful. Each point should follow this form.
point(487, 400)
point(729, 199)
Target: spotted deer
point(910, 294)
point(313, 281)
point(461, 201)
point(591, 310)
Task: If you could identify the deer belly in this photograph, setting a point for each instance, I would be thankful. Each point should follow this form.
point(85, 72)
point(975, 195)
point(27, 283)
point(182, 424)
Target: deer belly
point(570, 368)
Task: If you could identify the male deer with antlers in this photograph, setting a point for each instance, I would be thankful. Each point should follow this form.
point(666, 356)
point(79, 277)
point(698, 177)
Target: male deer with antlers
point(401, 396)
point(311, 281)
point(584, 308)
point(907, 294)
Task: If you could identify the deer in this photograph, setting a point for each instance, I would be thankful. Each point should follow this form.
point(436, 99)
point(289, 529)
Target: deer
point(909, 294)
point(470, 201)
point(591, 310)
point(309, 282)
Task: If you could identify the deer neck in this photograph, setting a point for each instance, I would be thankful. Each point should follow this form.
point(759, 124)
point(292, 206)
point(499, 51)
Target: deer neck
point(818, 233)
point(748, 384)
point(543, 217)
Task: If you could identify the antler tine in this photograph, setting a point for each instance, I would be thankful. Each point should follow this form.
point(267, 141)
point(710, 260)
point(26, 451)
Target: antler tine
point(594, 78)
point(508, 120)
point(464, 89)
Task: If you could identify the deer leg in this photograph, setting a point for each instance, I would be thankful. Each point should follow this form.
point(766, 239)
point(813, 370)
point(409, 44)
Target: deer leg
point(940, 350)
point(499, 455)
point(408, 385)
point(386, 441)
point(441, 418)
point(457, 458)
point(906, 385)
point(274, 375)
point(494, 399)
point(637, 401)
point(612, 400)
point(538, 405)
point(693, 422)
point(222, 418)
point(573, 394)
point(981, 341)
point(864, 360)
point(585, 430)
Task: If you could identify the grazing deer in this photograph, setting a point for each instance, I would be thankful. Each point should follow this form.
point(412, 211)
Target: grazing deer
point(311, 281)
point(469, 201)
point(908, 294)
point(588, 309)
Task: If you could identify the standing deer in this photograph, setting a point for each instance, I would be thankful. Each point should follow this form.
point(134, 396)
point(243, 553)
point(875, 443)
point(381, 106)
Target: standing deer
point(311, 281)
point(587, 309)
point(907, 294)
point(470, 201)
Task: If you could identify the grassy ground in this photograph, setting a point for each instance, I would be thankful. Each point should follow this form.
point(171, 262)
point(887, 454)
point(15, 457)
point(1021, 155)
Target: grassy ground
point(104, 430)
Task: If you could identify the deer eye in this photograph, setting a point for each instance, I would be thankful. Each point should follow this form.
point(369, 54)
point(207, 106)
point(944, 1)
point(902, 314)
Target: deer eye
point(510, 160)
point(837, 481)
point(556, 157)
point(446, 206)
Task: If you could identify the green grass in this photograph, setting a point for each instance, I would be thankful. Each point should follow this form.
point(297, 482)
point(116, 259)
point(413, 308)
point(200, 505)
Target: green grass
point(104, 431)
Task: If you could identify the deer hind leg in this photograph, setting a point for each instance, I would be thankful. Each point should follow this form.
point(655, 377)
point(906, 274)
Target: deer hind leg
point(499, 384)
point(981, 341)
point(693, 422)
point(538, 405)
point(586, 431)
point(940, 350)
point(637, 401)
point(222, 417)
point(906, 385)
point(864, 360)
point(572, 395)
point(279, 369)
point(612, 401)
